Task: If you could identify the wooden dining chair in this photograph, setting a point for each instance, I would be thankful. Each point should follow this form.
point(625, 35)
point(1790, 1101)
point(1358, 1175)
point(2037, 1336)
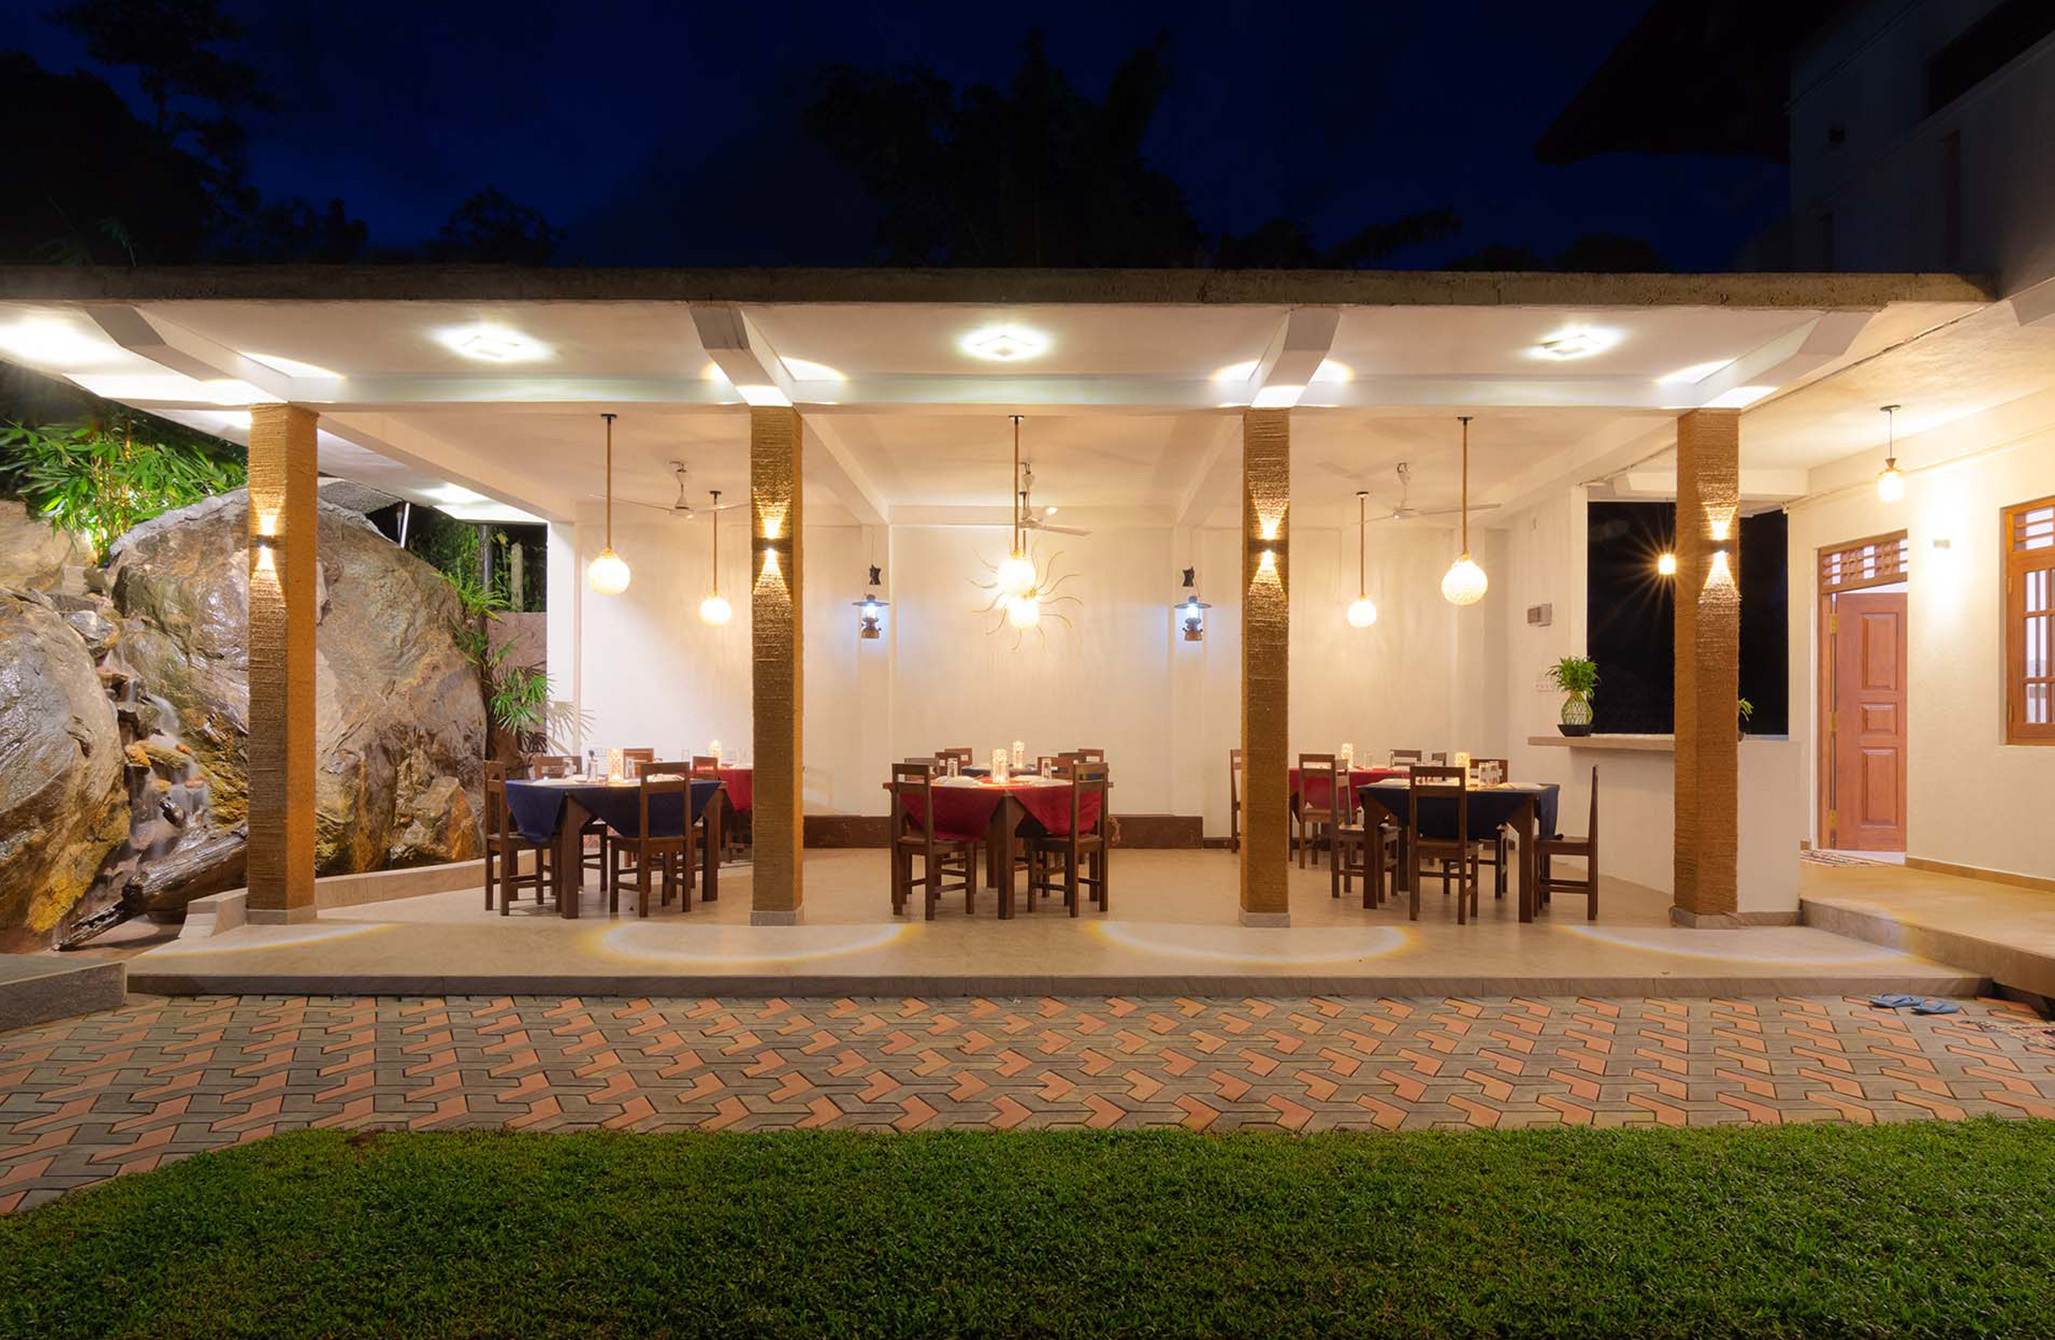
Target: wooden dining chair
point(1399, 756)
point(1457, 855)
point(961, 753)
point(667, 852)
point(1361, 844)
point(1084, 755)
point(1555, 845)
point(709, 765)
point(1073, 862)
point(504, 843)
point(552, 765)
point(914, 836)
point(1494, 849)
point(1234, 800)
point(1318, 781)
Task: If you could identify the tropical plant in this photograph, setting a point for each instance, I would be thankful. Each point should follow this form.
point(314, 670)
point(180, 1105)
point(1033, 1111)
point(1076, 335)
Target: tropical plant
point(1747, 711)
point(99, 484)
point(1575, 675)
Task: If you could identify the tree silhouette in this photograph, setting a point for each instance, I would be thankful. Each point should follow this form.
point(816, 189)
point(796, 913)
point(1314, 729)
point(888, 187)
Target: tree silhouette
point(490, 227)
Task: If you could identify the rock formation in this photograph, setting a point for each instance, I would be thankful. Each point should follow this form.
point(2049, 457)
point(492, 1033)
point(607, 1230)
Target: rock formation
point(400, 725)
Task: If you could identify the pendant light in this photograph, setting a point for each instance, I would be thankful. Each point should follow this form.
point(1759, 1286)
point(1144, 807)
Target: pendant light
point(1363, 612)
point(608, 574)
point(1017, 573)
point(1465, 582)
point(715, 609)
point(1890, 480)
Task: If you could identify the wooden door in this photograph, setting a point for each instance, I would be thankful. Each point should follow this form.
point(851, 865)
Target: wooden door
point(1869, 721)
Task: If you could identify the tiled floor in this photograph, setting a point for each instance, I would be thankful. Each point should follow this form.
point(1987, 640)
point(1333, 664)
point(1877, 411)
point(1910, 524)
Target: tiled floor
point(127, 1090)
point(1172, 930)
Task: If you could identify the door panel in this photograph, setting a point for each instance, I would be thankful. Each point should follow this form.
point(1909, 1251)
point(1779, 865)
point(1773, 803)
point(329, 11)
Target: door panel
point(1869, 721)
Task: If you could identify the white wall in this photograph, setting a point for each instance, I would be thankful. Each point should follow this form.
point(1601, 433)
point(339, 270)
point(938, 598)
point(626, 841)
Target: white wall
point(1971, 799)
point(645, 671)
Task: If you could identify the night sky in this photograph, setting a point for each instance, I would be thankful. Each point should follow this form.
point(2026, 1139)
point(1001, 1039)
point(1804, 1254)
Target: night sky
point(585, 109)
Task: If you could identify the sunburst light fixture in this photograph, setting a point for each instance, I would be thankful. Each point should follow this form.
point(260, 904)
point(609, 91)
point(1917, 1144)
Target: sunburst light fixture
point(1465, 583)
point(1023, 587)
point(608, 573)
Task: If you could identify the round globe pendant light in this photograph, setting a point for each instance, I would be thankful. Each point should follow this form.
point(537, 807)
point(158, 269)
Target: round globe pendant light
point(608, 574)
point(1363, 611)
point(1890, 480)
point(1465, 583)
point(715, 609)
point(1017, 573)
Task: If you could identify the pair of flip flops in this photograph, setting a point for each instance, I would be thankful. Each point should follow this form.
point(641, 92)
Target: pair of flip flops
point(1917, 1004)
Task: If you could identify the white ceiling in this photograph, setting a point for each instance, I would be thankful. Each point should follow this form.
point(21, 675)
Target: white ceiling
point(1131, 408)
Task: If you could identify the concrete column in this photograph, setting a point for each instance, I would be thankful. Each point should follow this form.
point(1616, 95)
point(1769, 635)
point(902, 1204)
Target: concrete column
point(280, 868)
point(1266, 665)
point(1708, 757)
point(776, 636)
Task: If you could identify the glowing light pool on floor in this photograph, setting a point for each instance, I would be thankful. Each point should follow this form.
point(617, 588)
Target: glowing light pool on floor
point(263, 937)
point(728, 946)
point(1243, 944)
point(1759, 945)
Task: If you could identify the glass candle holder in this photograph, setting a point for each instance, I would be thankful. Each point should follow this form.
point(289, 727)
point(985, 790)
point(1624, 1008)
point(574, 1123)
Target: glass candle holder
point(613, 766)
point(713, 747)
point(999, 757)
point(1019, 754)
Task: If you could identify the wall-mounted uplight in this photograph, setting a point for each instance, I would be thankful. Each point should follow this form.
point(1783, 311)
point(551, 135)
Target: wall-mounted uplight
point(1666, 564)
point(1576, 342)
point(870, 611)
point(1004, 344)
point(490, 343)
point(1191, 611)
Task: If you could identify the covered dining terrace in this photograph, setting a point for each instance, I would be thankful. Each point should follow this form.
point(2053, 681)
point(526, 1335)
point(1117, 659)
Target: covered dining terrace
point(1009, 632)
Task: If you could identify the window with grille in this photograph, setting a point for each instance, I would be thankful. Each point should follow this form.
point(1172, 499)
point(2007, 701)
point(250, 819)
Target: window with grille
point(2029, 538)
point(1878, 561)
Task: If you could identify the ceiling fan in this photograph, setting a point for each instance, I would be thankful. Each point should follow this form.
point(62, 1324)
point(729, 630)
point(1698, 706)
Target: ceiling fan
point(1029, 520)
point(680, 507)
point(1405, 511)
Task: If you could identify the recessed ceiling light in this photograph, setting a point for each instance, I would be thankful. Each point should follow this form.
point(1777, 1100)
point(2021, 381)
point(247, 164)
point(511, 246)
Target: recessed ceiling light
point(492, 344)
point(808, 371)
point(293, 367)
point(1697, 372)
point(55, 343)
point(1741, 397)
point(1576, 342)
point(1005, 344)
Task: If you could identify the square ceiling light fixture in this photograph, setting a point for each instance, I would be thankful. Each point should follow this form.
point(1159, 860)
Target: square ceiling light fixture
point(1004, 344)
point(1576, 342)
point(492, 344)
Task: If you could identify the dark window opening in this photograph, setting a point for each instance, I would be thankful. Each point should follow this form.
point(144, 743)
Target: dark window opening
point(1984, 47)
point(1630, 624)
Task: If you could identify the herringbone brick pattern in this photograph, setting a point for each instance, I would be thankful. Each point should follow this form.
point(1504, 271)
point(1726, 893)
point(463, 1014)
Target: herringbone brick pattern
point(91, 1098)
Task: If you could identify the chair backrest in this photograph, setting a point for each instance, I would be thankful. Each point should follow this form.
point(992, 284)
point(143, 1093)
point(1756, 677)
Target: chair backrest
point(1084, 755)
point(915, 777)
point(1234, 779)
point(1086, 777)
point(651, 785)
point(703, 765)
point(1047, 765)
point(1399, 756)
point(1438, 759)
point(1435, 780)
point(1591, 833)
point(551, 765)
point(666, 768)
point(498, 819)
point(1505, 773)
point(636, 756)
point(1316, 782)
point(961, 753)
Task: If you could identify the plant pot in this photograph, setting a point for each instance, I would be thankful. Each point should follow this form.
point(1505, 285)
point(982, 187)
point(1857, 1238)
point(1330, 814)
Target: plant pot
point(1576, 715)
point(1575, 728)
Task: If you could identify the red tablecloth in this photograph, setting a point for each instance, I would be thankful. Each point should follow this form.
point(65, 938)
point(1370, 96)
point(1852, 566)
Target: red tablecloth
point(1318, 793)
point(964, 813)
point(741, 784)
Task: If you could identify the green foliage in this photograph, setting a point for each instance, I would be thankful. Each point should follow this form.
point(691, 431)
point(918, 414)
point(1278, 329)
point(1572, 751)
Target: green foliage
point(1747, 709)
point(99, 484)
point(516, 696)
point(1912, 1229)
point(1575, 675)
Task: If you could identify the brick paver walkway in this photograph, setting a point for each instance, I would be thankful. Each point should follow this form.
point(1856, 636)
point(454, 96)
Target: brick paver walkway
point(124, 1091)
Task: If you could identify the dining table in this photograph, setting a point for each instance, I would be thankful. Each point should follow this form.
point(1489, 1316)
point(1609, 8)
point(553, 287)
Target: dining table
point(968, 806)
point(1317, 792)
point(1527, 808)
point(555, 810)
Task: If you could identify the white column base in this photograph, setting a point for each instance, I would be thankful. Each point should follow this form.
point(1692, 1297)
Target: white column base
point(1265, 918)
point(279, 916)
point(760, 917)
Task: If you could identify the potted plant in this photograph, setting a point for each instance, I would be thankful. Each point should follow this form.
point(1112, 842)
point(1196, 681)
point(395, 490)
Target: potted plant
point(1747, 710)
point(1577, 677)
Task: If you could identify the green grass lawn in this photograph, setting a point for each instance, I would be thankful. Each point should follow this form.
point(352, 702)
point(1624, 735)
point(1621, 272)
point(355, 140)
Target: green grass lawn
point(1912, 1230)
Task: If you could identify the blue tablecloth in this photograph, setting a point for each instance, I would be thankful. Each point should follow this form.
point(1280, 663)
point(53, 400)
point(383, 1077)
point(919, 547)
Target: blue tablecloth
point(538, 807)
point(1489, 807)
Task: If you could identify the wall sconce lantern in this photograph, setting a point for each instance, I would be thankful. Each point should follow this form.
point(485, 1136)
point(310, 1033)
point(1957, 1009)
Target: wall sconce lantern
point(1191, 611)
point(870, 611)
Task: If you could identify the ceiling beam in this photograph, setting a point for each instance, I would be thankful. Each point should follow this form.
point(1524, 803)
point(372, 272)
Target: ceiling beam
point(190, 354)
point(742, 353)
point(834, 464)
point(441, 459)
